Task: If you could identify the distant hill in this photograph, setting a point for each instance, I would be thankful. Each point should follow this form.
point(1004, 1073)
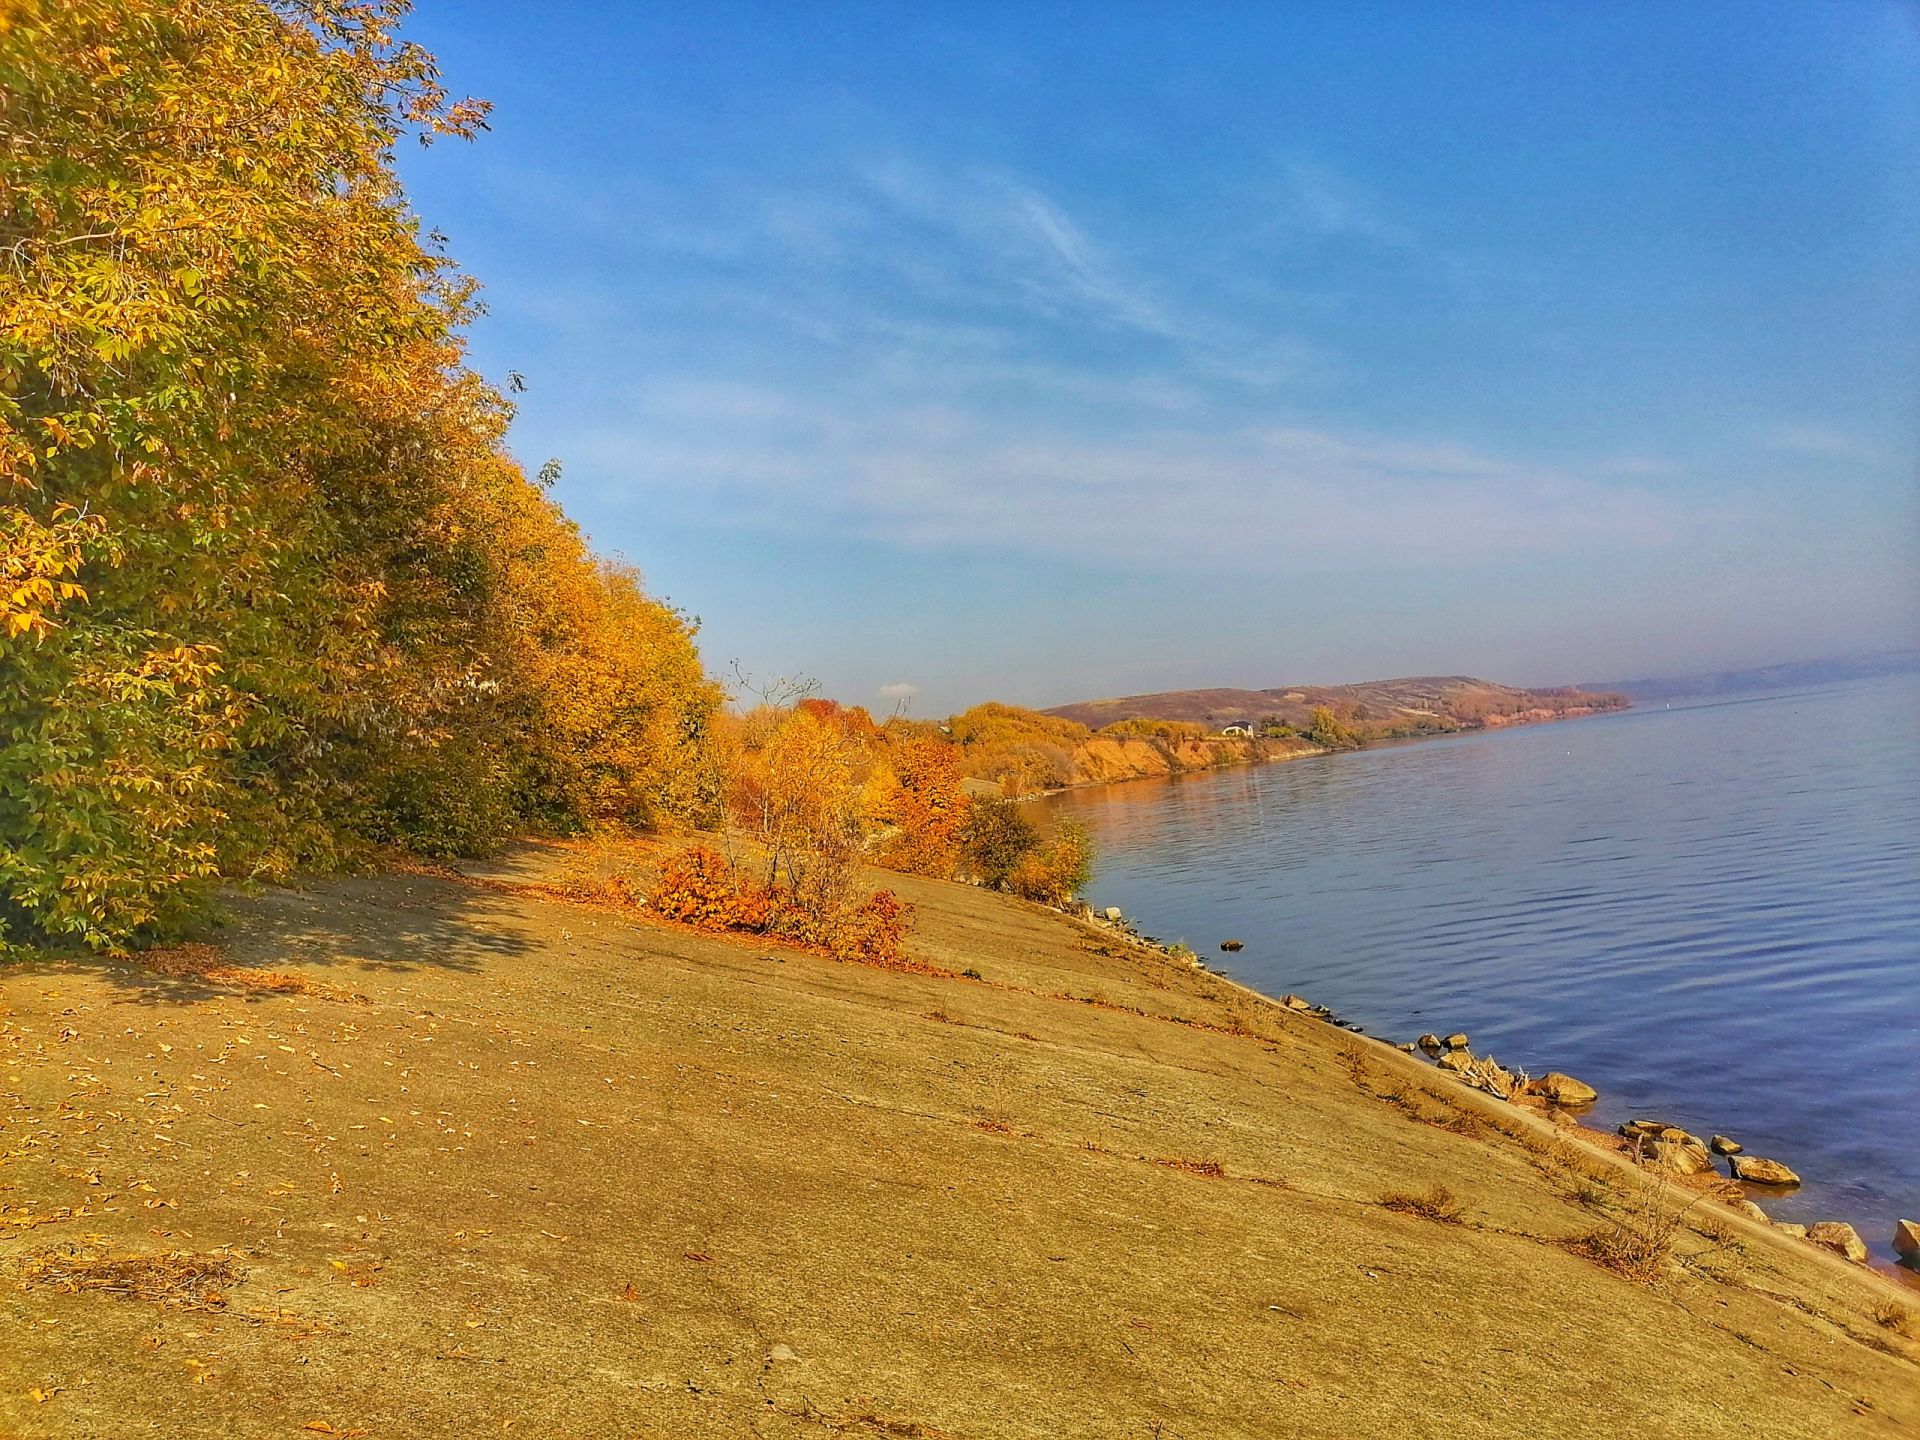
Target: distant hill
point(1793, 675)
point(1415, 705)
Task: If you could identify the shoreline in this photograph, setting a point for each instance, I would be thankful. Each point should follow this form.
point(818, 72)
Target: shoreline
point(1311, 751)
point(1643, 1143)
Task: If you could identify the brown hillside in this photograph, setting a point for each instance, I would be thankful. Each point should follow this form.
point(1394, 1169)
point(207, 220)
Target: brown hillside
point(409, 1157)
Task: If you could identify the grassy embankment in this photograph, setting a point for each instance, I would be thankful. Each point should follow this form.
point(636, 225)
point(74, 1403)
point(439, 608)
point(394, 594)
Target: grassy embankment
point(456, 1156)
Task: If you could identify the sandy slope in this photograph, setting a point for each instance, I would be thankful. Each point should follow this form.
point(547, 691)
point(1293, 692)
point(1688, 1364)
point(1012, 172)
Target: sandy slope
point(561, 1173)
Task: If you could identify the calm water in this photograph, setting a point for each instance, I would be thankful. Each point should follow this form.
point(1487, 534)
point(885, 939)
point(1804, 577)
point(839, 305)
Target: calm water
point(1709, 912)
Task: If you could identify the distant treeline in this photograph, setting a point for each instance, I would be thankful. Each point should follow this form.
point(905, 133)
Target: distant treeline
point(1373, 709)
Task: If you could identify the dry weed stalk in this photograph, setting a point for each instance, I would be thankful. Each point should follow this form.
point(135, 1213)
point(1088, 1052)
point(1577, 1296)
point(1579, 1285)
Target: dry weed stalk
point(1483, 1072)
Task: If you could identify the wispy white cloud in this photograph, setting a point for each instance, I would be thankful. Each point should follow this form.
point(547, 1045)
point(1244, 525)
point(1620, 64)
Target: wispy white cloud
point(898, 690)
point(1321, 199)
point(1821, 442)
point(904, 256)
point(1248, 499)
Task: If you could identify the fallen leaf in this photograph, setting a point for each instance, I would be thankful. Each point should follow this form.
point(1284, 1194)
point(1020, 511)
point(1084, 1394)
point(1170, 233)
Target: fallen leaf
point(696, 1255)
point(628, 1293)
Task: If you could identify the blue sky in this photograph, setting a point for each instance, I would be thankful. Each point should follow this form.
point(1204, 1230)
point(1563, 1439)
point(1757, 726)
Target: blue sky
point(1046, 351)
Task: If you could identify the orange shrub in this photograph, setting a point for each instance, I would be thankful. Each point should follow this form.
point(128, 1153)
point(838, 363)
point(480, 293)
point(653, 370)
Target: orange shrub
point(699, 886)
point(874, 932)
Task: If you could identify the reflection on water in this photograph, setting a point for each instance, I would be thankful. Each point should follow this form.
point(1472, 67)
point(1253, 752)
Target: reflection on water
point(1712, 912)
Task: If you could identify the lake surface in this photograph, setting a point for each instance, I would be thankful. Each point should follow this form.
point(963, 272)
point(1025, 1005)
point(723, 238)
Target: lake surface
point(1710, 912)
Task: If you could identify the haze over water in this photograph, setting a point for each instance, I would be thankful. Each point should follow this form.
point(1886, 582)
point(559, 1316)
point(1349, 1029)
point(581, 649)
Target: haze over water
point(1710, 912)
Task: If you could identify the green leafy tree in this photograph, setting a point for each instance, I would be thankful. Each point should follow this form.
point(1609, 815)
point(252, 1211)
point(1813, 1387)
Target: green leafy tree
point(997, 837)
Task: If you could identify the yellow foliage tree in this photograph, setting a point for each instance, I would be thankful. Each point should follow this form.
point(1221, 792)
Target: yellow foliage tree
point(269, 584)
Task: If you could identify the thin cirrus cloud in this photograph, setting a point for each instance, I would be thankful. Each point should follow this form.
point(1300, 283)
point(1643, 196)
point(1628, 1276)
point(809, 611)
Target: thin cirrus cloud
point(1258, 499)
point(952, 359)
point(963, 258)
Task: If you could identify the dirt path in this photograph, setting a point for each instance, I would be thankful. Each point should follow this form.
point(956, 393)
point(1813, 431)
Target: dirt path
point(433, 1158)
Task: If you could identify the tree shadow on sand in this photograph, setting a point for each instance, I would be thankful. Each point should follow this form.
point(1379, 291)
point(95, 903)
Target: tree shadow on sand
point(314, 939)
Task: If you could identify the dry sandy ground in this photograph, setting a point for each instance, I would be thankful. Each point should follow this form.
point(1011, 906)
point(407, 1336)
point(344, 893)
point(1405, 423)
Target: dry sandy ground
point(510, 1164)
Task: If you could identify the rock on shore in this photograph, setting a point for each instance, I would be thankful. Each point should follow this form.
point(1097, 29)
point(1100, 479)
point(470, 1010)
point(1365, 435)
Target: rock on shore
point(1680, 1157)
point(1906, 1239)
point(1632, 1128)
point(1761, 1171)
point(1841, 1238)
point(1563, 1089)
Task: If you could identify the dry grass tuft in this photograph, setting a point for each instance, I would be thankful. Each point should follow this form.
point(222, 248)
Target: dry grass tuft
point(204, 962)
point(177, 1279)
point(1207, 1169)
point(1354, 1056)
point(1436, 1203)
point(1896, 1317)
point(1638, 1245)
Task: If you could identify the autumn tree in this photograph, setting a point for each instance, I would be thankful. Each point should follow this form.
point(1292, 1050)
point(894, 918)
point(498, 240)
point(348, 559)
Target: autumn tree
point(928, 806)
point(801, 792)
point(270, 585)
point(1056, 870)
point(1023, 750)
